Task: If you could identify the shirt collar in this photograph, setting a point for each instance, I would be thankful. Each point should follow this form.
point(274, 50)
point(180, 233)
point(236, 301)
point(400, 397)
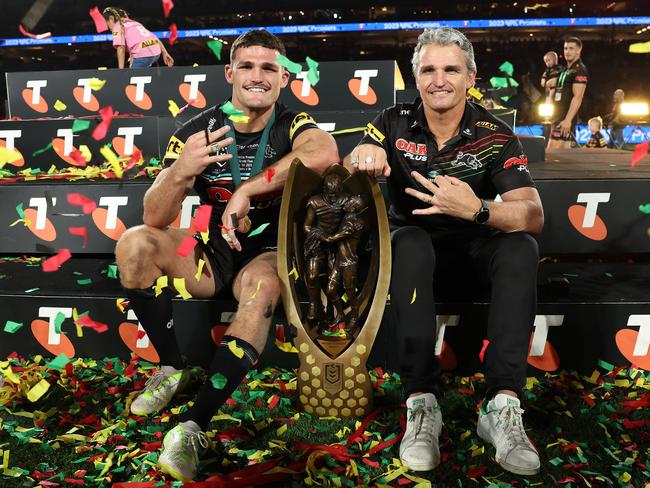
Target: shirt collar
point(467, 123)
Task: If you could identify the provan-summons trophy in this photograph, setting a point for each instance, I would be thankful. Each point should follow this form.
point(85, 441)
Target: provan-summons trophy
point(334, 264)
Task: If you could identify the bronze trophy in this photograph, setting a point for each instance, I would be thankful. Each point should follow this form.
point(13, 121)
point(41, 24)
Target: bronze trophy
point(333, 250)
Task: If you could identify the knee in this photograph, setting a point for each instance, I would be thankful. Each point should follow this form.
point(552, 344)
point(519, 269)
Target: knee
point(413, 245)
point(136, 248)
point(262, 284)
point(518, 251)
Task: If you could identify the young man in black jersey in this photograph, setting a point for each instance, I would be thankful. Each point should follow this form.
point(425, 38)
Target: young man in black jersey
point(445, 160)
point(569, 92)
point(239, 168)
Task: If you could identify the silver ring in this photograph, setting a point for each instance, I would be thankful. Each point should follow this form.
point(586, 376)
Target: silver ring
point(355, 161)
point(215, 148)
point(226, 237)
point(370, 160)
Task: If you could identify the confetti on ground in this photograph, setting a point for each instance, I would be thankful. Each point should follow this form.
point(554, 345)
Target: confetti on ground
point(80, 432)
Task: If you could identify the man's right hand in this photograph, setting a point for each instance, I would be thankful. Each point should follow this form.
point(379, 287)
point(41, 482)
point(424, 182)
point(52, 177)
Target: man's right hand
point(370, 159)
point(201, 150)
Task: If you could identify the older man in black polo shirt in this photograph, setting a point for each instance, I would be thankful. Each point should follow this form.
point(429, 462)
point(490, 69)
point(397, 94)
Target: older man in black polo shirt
point(445, 160)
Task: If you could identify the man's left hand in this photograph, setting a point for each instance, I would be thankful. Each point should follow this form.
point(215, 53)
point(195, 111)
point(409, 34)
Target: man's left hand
point(448, 196)
point(565, 128)
point(240, 204)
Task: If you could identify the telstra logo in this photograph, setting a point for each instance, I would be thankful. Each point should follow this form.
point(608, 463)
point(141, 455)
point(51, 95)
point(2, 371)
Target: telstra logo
point(45, 333)
point(83, 94)
point(32, 95)
point(8, 141)
point(190, 90)
point(635, 345)
point(586, 219)
point(360, 87)
point(136, 339)
point(136, 93)
point(303, 91)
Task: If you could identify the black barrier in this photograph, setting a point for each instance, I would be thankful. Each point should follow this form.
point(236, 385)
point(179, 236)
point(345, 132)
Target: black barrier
point(582, 216)
point(346, 85)
point(41, 144)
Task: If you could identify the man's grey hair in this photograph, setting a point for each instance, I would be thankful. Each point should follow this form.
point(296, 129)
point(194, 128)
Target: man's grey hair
point(444, 36)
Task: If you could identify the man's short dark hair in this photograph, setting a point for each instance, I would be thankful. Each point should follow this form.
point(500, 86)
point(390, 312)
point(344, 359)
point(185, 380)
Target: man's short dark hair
point(574, 40)
point(257, 37)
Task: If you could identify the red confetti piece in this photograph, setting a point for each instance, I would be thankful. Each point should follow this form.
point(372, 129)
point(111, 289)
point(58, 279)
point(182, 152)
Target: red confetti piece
point(86, 321)
point(269, 174)
point(640, 152)
point(372, 464)
point(74, 481)
point(186, 247)
point(274, 401)
point(78, 158)
point(476, 472)
point(202, 218)
point(80, 231)
point(24, 32)
point(87, 205)
point(167, 6)
point(173, 34)
point(481, 354)
point(107, 117)
point(141, 334)
point(135, 159)
point(98, 19)
point(55, 262)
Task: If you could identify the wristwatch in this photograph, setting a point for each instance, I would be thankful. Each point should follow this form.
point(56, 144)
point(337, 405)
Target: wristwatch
point(483, 215)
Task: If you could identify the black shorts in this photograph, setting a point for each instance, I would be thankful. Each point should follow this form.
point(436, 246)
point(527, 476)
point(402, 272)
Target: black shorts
point(557, 136)
point(226, 262)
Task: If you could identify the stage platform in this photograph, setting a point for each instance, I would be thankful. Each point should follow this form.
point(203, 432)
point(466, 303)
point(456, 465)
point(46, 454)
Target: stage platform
point(587, 163)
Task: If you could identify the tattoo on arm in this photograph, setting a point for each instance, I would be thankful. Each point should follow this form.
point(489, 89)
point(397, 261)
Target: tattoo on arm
point(269, 311)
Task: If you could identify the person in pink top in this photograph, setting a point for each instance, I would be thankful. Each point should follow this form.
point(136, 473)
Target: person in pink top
point(143, 46)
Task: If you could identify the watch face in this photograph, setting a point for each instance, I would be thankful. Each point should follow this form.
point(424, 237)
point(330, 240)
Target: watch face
point(483, 216)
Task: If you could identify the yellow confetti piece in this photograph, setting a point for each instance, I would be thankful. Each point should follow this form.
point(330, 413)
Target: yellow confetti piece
point(179, 285)
point(259, 284)
point(8, 156)
point(593, 379)
point(205, 236)
point(415, 292)
point(294, 273)
point(560, 402)
point(59, 106)
point(173, 108)
point(112, 159)
point(38, 390)
point(285, 346)
point(478, 451)
point(96, 84)
point(625, 477)
point(345, 298)
point(235, 349)
point(199, 270)
point(622, 383)
point(475, 93)
point(281, 430)
point(239, 119)
point(85, 152)
point(119, 303)
point(161, 282)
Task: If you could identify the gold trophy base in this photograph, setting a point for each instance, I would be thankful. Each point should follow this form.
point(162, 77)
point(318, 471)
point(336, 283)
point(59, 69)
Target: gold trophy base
point(337, 387)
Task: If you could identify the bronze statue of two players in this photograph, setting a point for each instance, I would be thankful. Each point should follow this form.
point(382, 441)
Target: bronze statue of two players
point(333, 251)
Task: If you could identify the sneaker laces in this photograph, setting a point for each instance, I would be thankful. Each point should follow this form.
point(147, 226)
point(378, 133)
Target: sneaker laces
point(424, 418)
point(155, 381)
point(194, 440)
point(513, 425)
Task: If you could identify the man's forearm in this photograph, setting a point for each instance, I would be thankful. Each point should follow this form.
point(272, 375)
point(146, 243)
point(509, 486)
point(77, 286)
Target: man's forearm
point(163, 199)
point(516, 216)
point(317, 154)
point(573, 108)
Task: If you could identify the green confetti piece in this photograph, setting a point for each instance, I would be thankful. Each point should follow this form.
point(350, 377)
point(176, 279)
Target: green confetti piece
point(609, 275)
point(645, 208)
point(556, 461)
point(80, 125)
point(58, 320)
point(291, 67)
point(259, 230)
point(20, 211)
point(85, 281)
point(507, 68)
point(12, 327)
point(112, 271)
point(58, 362)
point(498, 82)
point(41, 151)
point(218, 381)
point(229, 109)
point(605, 365)
point(32, 290)
point(215, 46)
point(312, 76)
point(570, 275)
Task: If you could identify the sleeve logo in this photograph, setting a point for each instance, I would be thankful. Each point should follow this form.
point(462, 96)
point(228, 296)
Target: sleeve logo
point(298, 121)
point(518, 161)
point(373, 132)
point(174, 148)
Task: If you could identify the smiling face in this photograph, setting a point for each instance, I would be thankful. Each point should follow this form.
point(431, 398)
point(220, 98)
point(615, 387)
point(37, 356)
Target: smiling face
point(256, 78)
point(442, 77)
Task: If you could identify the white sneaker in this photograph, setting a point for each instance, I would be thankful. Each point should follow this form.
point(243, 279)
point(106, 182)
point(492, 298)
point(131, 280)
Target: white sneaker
point(158, 391)
point(501, 425)
point(419, 448)
point(180, 456)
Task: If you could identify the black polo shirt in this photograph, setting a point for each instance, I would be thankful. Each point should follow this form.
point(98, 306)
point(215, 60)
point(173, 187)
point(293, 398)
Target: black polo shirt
point(485, 154)
point(577, 74)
